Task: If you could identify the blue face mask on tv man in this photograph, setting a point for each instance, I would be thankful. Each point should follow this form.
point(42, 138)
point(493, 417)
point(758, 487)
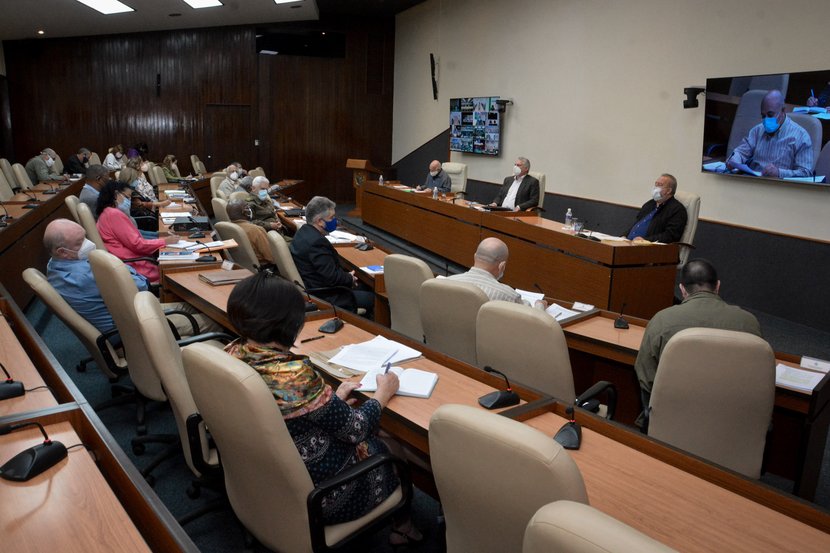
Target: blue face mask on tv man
point(771, 124)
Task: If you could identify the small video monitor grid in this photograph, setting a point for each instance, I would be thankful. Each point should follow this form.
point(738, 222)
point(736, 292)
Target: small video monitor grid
point(475, 125)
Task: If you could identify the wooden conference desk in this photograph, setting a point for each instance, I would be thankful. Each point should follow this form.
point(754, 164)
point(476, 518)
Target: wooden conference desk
point(542, 253)
point(800, 423)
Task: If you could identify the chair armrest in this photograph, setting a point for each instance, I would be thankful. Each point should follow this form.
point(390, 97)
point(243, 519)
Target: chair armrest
point(152, 260)
point(315, 498)
point(190, 318)
point(194, 439)
point(222, 336)
point(586, 400)
point(101, 344)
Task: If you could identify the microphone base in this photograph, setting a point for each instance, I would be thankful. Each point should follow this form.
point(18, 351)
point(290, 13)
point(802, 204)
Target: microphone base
point(569, 436)
point(621, 323)
point(196, 235)
point(332, 326)
point(206, 259)
point(11, 389)
point(29, 463)
point(53, 191)
point(592, 238)
point(310, 306)
point(497, 400)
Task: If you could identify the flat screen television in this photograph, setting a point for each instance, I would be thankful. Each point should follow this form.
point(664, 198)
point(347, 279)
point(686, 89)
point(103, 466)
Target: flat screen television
point(475, 125)
point(788, 149)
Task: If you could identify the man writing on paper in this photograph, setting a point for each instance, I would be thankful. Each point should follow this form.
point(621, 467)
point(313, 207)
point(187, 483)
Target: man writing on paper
point(521, 191)
point(437, 178)
point(662, 218)
point(490, 261)
point(701, 307)
point(777, 147)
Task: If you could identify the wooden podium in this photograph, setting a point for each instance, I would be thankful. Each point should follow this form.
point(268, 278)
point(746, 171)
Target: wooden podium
point(361, 169)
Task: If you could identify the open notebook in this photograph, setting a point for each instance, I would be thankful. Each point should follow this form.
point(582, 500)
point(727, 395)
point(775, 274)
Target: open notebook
point(413, 382)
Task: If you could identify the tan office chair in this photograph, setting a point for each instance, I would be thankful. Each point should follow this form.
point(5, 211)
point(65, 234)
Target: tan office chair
point(458, 175)
point(692, 204)
point(448, 316)
point(541, 178)
point(57, 167)
point(72, 205)
point(813, 128)
point(258, 172)
point(200, 168)
point(746, 117)
point(243, 254)
point(264, 474)
point(493, 474)
point(151, 176)
point(740, 85)
point(86, 220)
point(282, 256)
point(106, 358)
point(823, 162)
point(194, 163)
point(6, 169)
point(220, 209)
point(21, 177)
point(578, 528)
point(403, 276)
point(215, 180)
point(6, 191)
point(158, 174)
point(94, 159)
point(713, 395)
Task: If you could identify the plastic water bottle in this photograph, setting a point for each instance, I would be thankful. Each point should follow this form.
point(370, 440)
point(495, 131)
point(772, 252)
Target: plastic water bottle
point(380, 180)
point(569, 217)
point(435, 193)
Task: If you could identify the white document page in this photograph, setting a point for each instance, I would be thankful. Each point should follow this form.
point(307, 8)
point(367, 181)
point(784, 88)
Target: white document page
point(798, 379)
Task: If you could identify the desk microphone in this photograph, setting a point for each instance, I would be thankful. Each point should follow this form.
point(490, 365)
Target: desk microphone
point(51, 189)
point(588, 236)
point(501, 398)
point(621, 323)
point(6, 217)
point(208, 257)
point(309, 305)
point(332, 325)
point(570, 435)
point(32, 196)
point(9, 388)
point(31, 462)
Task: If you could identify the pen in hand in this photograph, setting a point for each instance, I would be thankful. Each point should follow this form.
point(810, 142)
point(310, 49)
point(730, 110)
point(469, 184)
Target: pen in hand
point(386, 370)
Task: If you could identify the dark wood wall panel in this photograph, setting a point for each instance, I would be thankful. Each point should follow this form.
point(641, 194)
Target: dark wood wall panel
point(309, 114)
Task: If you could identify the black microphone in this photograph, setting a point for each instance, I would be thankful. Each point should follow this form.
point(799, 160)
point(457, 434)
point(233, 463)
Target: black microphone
point(446, 267)
point(621, 323)
point(309, 305)
point(195, 231)
point(51, 189)
point(6, 217)
point(29, 463)
point(364, 246)
point(498, 399)
point(9, 388)
point(570, 435)
point(32, 196)
point(588, 236)
point(208, 257)
point(332, 325)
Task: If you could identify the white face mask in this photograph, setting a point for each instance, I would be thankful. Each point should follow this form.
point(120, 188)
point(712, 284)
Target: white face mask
point(433, 173)
point(234, 175)
point(119, 155)
point(517, 170)
point(86, 248)
point(656, 194)
point(49, 162)
point(144, 167)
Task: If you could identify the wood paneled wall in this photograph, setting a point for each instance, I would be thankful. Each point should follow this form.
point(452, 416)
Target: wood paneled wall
point(215, 97)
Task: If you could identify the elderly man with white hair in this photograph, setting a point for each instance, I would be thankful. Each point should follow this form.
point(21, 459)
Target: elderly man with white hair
point(40, 167)
point(263, 212)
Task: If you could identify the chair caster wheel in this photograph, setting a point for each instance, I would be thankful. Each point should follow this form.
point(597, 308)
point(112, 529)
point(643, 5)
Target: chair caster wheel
point(138, 448)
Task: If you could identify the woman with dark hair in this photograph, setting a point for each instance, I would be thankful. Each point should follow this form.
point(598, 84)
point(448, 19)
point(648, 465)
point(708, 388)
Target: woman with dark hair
point(120, 235)
point(330, 435)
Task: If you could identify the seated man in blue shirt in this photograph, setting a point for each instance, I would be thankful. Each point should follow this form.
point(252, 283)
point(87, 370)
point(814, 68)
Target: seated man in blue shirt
point(96, 177)
point(437, 178)
point(70, 273)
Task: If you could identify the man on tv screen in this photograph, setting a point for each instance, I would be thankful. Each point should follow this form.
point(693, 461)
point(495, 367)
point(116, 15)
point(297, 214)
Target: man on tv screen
point(777, 147)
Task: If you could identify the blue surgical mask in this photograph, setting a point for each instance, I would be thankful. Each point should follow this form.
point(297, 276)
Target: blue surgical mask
point(262, 195)
point(125, 205)
point(771, 124)
point(331, 225)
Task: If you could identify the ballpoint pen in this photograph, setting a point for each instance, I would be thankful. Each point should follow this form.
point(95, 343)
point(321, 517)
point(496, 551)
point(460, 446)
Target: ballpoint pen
point(388, 365)
point(312, 339)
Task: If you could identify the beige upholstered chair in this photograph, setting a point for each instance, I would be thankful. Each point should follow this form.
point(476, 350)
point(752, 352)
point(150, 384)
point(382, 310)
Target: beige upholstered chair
point(692, 204)
point(194, 162)
point(72, 205)
point(813, 128)
point(6, 169)
point(220, 209)
point(282, 256)
point(746, 117)
point(578, 528)
point(94, 159)
point(100, 350)
point(57, 168)
point(6, 191)
point(215, 180)
point(713, 395)
point(243, 254)
point(527, 344)
point(158, 174)
point(458, 175)
point(403, 276)
point(86, 220)
point(448, 316)
point(258, 172)
point(152, 177)
point(779, 81)
point(200, 168)
point(541, 178)
point(268, 485)
point(823, 162)
point(21, 177)
point(493, 474)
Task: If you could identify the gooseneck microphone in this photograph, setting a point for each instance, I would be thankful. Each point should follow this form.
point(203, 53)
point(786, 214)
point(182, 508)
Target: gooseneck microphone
point(30, 462)
point(621, 323)
point(309, 305)
point(501, 398)
point(208, 257)
point(570, 435)
point(6, 217)
point(51, 190)
point(332, 325)
point(9, 388)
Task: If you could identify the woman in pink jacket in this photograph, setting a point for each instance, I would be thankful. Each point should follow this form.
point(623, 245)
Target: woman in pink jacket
point(119, 233)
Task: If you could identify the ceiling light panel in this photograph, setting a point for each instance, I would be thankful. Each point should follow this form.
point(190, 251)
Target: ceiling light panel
point(107, 7)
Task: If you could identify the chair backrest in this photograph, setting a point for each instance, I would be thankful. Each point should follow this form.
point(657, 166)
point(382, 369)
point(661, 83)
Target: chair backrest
point(194, 163)
point(578, 528)
point(80, 327)
point(158, 174)
point(6, 169)
point(458, 175)
point(94, 159)
point(200, 168)
point(243, 254)
point(263, 470)
point(6, 191)
point(448, 316)
point(691, 202)
point(403, 276)
point(493, 474)
point(527, 344)
point(21, 177)
point(813, 128)
point(151, 176)
point(258, 172)
point(746, 116)
point(713, 395)
point(220, 209)
point(166, 357)
point(118, 290)
point(823, 162)
point(72, 204)
point(215, 181)
point(86, 220)
point(283, 259)
point(541, 178)
point(57, 167)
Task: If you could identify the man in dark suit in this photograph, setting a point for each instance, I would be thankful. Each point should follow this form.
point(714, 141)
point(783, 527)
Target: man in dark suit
point(76, 163)
point(662, 218)
point(318, 263)
point(521, 191)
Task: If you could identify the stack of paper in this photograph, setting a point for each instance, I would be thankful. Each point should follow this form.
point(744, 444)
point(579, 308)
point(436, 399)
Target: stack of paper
point(530, 297)
point(373, 354)
point(797, 379)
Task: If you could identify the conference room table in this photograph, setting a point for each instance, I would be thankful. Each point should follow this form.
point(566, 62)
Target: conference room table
point(543, 253)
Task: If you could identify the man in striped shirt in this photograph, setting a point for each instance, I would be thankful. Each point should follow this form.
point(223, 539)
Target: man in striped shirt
point(777, 147)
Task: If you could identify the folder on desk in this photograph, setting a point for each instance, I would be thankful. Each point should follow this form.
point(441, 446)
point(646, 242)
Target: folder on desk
point(221, 278)
point(413, 382)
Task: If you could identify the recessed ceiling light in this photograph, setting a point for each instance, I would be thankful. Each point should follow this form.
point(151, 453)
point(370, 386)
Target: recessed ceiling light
point(197, 4)
point(107, 7)
point(286, 2)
